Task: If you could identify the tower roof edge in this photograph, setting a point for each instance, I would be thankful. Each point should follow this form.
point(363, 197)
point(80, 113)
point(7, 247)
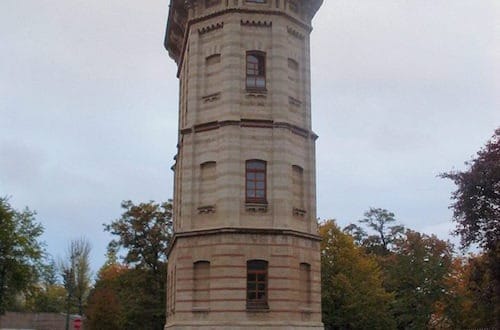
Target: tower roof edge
point(178, 20)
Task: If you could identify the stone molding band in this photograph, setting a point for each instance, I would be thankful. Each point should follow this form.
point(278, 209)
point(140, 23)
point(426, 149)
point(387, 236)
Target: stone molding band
point(178, 55)
point(258, 123)
point(240, 231)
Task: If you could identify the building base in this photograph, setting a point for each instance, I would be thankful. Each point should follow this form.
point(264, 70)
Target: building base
point(249, 326)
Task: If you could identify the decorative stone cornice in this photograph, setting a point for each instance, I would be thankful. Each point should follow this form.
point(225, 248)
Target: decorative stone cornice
point(183, 13)
point(241, 231)
point(207, 209)
point(211, 98)
point(295, 33)
point(256, 23)
point(258, 123)
point(211, 28)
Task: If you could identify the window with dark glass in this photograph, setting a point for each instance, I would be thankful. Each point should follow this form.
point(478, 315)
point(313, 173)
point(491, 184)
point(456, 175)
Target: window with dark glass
point(256, 70)
point(257, 1)
point(257, 284)
point(256, 181)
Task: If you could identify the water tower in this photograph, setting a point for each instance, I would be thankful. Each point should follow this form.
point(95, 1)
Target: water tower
point(245, 254)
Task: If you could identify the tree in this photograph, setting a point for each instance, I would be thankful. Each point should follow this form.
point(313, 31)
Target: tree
point(21, 252)
point(76, 274)
point(378, 220)
point(144, 231)
point(49, 295)
point(105, 311)
point(352, 293)
point(476, 207)
point(416, 273)
point(467, 302)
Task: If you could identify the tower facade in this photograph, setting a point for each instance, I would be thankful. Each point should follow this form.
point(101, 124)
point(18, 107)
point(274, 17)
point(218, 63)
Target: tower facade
point(245, 253)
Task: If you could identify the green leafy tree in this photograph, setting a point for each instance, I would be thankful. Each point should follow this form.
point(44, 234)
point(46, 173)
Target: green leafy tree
point(352, 293)
point(144, 231)
point(49, 299)
point(21, 253)
point(416, 274)
point(476, 208)
point(49, 295)
point(137, 293)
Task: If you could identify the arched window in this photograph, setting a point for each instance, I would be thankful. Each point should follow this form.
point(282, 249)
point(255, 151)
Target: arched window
point(257, 284)
point(255, 181)
point(256, 70)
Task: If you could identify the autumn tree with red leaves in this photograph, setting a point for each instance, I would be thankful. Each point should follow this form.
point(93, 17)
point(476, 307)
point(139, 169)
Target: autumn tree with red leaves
point(476, 208)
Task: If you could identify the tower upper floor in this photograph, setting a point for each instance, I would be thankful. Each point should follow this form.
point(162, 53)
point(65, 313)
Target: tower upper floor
point(184, 13)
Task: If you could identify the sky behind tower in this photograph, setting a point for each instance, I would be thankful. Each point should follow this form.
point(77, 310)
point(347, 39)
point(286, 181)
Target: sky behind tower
point(401, 91)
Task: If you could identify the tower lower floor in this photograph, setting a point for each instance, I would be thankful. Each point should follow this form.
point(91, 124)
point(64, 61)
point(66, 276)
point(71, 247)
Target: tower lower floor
point(244, 279)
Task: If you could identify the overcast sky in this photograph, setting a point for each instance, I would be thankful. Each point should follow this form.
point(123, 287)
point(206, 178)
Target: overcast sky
point(401, 91)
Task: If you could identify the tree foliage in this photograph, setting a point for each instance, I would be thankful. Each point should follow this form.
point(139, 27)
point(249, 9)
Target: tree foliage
point(132, 295)
point(476, 208)
point(76, 273)
point(468, 301)
point(21, 252)
point(416, 273)
point(383, 224)
point(123, 298)
point(144, 231)
point(352, 293)
point(49, 296)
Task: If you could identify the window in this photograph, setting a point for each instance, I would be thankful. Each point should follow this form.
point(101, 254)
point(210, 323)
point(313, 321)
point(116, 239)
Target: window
point(256, 70)
point(256, 181)
point(257, 1)
point(257, 284)
point(201, 286)
point(305, 284)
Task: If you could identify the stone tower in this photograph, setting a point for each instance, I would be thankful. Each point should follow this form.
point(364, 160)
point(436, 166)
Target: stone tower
point(245, 254)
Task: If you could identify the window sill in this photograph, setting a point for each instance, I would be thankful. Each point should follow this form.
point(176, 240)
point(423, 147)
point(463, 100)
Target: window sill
point(256, 207)
point(256, 92)
point(258, 308)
